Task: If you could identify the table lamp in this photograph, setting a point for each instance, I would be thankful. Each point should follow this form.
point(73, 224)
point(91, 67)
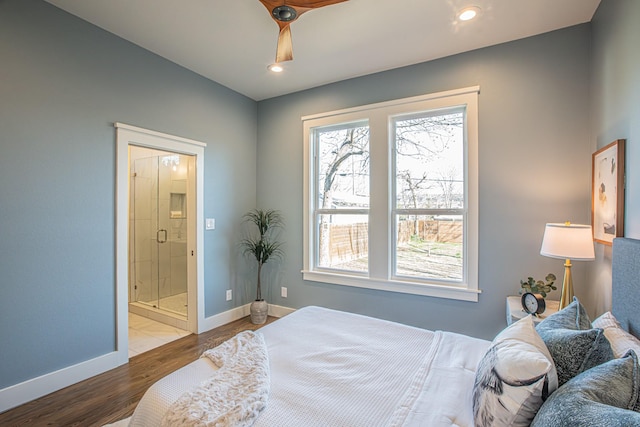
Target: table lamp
point(569, 242)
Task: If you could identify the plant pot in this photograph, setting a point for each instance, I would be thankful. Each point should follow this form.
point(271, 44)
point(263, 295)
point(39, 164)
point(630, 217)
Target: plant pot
point(259, 310)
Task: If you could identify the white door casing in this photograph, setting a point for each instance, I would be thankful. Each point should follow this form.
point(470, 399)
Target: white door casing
point(127, 135)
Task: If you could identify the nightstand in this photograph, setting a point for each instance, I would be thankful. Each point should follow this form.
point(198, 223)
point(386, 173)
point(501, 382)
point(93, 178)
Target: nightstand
point(515, 311)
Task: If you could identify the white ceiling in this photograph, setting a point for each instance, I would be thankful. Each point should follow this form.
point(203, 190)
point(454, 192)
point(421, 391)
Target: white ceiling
point(233, 41)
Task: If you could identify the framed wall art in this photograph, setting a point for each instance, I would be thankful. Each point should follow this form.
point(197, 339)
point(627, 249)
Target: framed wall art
point(607, 192)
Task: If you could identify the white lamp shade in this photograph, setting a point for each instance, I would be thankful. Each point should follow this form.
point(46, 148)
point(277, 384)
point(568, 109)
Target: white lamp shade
point(568, 241)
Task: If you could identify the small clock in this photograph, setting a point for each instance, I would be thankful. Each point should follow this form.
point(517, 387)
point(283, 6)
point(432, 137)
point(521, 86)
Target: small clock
point(533, 303)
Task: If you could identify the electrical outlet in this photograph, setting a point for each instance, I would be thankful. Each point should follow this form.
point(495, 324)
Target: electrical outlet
point(283, 292)
point(229, 294)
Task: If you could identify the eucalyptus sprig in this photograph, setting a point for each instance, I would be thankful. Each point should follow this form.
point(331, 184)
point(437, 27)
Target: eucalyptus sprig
point(538, 287)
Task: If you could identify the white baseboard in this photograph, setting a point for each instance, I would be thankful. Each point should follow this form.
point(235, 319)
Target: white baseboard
point(238, 313)
point(279, 311)
point(34, 388)
point(223, 318)
point(26, 391)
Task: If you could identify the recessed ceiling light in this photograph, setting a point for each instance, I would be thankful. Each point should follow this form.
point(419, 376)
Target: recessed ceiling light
point(275, 68)
point(468, 13)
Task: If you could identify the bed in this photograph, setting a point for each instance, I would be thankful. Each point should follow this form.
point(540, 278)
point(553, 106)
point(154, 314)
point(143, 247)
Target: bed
point(348, 370)
point(331, 368)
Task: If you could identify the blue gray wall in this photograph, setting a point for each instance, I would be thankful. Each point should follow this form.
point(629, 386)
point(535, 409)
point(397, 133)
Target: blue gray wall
point(615, 114)
point(534, 168)
point(63, 83)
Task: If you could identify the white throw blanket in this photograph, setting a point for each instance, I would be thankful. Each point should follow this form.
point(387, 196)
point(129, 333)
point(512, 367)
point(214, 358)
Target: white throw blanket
point(237, 391)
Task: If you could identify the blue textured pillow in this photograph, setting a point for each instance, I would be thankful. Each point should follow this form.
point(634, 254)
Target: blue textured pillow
point(606, 395)
point(574, 316)
point(573, 345)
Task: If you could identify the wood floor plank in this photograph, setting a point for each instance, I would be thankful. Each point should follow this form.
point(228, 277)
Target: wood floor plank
point(113, 395)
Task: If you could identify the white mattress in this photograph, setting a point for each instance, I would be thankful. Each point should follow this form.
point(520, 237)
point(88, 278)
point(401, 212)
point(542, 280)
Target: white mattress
point(330, 368)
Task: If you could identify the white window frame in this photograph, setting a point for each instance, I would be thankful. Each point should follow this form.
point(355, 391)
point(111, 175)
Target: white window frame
point(381, 205)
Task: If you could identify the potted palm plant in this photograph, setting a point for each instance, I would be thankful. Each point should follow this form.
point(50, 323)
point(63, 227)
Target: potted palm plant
point(263, 246)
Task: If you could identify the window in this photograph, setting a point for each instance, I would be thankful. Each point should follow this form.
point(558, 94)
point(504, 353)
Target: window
point(428, 212)
point(342, 196)
point(391, 198)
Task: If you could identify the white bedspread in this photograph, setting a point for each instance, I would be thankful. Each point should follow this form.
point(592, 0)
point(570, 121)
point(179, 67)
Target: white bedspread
point(330, 368)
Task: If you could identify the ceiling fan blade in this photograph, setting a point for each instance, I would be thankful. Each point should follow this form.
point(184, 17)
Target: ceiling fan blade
point(271, 4)
point(284, 51)
point(300, 7)
point(310, 4)
point(299, 4)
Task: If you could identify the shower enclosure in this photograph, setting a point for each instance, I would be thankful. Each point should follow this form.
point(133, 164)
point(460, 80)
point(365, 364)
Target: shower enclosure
point(158, 234)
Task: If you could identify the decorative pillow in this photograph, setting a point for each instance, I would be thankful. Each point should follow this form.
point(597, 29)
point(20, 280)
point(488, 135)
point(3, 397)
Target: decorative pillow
point(574, 346)
point(573, 316)
point(513, 378)
point(621, 341)
point(606, 395)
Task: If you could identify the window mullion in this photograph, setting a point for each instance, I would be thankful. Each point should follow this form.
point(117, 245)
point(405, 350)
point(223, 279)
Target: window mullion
point(429, 211)
point(342, 211)
point(379, 216)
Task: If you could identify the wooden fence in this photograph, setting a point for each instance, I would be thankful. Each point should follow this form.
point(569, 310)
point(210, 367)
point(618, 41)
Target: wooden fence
point(350, 241)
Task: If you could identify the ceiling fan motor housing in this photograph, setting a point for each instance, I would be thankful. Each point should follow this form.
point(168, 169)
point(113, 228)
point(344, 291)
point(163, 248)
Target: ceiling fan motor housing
point(284, 13)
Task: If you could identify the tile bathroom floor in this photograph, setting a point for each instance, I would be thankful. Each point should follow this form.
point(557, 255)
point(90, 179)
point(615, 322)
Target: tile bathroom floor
point(146, 334)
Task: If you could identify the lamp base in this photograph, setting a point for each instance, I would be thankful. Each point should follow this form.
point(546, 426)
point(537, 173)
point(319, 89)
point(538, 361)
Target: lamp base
point(567, 286)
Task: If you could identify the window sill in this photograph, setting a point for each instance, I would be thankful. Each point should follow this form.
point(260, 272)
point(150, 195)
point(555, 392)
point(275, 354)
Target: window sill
point(439, 291)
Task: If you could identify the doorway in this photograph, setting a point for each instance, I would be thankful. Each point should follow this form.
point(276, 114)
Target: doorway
point(159, 193)
point(165, 274)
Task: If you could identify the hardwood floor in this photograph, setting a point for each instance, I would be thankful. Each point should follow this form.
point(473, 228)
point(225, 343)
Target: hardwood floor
point(113, 395)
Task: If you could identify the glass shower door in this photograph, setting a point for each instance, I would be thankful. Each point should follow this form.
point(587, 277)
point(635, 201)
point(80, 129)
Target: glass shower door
point(159, 225)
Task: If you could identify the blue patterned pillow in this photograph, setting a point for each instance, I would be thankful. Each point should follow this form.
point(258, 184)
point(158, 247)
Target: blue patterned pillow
point(573, 345)
point(574, 316)
point(607, 395)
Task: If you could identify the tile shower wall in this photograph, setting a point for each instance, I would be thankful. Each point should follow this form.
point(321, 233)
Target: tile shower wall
point(158, 202)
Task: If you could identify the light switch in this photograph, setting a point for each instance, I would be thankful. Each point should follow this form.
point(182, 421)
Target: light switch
point(210, 224)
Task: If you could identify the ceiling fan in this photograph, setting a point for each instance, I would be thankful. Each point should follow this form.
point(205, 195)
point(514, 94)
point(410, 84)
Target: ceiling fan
point(284, 12)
